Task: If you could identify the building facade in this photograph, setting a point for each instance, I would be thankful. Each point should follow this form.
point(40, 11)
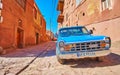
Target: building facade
point(50, 35)
point(40, 25)
point(102, 16)
point(21, 24)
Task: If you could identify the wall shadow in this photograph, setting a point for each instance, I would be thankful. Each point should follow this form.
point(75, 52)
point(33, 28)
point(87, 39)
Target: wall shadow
point(35, 51)
point(30, 54)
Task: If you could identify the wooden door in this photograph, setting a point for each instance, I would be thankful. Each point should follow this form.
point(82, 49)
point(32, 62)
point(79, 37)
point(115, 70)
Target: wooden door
point(20, 38)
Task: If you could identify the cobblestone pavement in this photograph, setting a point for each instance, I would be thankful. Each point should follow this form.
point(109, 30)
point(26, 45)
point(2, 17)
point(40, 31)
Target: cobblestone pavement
point(12, 63)
point(47, 64)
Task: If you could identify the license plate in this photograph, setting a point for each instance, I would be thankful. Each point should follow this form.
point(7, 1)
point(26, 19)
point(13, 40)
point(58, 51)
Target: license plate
point(85, 54)
point(94, 45)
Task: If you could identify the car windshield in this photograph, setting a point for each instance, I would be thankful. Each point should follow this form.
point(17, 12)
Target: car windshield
point(76, 31)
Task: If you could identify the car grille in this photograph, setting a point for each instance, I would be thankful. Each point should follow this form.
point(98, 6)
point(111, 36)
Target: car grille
point(86, 46)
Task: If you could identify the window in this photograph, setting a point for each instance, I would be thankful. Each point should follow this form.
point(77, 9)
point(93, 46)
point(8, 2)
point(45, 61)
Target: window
point(69, 1)
point(20, 22)
point(72, 4)
point(1, 19)
point(66, 16)
point(78, 2)
point(1, 5)
point(110, 4)
point(40, 20)
point(106, 4)
point(22, 3)
point(83, 14)
point(35, 13)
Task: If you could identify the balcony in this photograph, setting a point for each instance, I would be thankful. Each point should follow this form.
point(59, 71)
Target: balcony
point(60, 18)
point(60, 5)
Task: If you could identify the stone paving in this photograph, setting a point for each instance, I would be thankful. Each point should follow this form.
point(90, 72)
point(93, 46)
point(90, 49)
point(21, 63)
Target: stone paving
point(47, 64)
point(13, 62)
point(50, 66)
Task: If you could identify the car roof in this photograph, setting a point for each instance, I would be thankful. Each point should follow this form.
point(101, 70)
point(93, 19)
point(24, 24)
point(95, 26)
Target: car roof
point(71, 27)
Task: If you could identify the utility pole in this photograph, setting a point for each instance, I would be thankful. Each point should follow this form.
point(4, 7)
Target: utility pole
point(51, 17)
point(51, 22)
point(50, 29)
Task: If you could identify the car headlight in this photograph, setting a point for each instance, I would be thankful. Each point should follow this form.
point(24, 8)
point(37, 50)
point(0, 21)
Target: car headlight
point(67, 47)
point(103, 44)
point(108, 42)
point(61, 44)
point(61, 48)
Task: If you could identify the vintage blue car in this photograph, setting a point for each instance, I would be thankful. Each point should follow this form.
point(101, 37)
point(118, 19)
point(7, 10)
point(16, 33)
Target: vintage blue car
point(78, 42)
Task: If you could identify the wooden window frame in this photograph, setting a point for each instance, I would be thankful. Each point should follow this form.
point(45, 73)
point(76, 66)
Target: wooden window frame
point(23, 6)
point(106, 4)
point(35, 13)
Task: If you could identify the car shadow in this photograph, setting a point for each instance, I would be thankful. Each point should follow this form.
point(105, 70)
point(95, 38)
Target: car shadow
point(110, 60)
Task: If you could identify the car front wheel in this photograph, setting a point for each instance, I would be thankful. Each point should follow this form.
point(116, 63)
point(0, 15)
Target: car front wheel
point(61, 61)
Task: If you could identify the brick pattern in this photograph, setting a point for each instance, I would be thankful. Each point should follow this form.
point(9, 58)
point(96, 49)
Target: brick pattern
point(16, 19)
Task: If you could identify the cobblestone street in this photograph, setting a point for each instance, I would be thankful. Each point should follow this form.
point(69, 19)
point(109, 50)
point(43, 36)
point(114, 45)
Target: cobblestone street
point(46, 37)
point(41, 60)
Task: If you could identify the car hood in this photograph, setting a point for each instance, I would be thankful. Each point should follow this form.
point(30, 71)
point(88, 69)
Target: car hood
point(82, 38)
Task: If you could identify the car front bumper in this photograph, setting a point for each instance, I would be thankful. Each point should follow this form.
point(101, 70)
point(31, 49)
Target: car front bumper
point(76, 55)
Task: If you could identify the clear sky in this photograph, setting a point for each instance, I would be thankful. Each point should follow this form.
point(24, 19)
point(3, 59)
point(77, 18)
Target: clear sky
point(48, 9)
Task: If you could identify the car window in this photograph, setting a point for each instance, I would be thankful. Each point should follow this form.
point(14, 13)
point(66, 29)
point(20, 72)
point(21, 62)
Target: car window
point(73, 31)
point(84, 30)
point(64, 33)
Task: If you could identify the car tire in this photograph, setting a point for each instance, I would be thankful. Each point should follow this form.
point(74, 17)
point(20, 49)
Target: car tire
point(102, 58)
point(61, 61)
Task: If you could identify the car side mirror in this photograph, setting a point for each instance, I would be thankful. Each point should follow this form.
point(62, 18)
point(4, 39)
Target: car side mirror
point(91, 31)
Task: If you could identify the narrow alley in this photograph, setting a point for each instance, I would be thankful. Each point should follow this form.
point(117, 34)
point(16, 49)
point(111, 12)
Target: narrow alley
point(59, 37)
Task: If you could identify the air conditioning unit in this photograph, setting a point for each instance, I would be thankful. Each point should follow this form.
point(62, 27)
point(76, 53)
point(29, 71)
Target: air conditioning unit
point(1, 19)
point(1, 5)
